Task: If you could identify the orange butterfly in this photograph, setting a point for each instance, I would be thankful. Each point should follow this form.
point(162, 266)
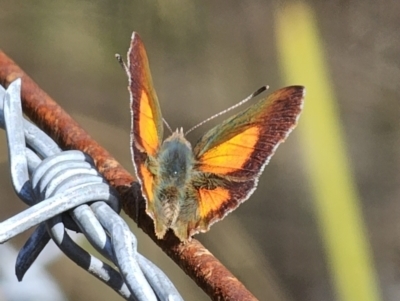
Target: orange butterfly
point(186, 189)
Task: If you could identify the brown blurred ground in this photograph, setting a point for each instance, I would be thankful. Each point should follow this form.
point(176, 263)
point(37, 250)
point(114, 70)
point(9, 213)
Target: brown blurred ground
point(206, 56)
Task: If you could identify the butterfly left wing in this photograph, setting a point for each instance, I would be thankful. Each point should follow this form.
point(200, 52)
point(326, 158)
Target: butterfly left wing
point(231, 156)
point(147, 127)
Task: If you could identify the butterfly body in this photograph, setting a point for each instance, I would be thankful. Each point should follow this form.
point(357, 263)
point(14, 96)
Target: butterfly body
point(172, 183)
point(188, 189)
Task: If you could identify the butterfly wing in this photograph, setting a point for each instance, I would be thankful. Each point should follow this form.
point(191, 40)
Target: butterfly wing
point(231, 156)
point(147, 128)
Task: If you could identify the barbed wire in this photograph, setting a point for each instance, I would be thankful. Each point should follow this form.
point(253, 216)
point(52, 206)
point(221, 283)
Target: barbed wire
point(65, 191)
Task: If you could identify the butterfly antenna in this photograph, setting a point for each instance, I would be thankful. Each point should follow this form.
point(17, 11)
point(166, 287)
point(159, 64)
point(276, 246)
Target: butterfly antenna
point(167, 125)
point(122, 63)
point(259, 91)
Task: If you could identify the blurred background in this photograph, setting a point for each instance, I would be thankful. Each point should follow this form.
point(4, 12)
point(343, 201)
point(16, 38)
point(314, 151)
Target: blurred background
point(324, 223)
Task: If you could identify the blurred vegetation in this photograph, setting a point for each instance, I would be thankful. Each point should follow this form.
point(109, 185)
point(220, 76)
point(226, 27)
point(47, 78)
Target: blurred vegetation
point(337, 205)
point(206, 56)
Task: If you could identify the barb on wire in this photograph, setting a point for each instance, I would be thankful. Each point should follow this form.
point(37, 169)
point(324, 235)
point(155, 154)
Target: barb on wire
point(64, 190)
point(207, 271)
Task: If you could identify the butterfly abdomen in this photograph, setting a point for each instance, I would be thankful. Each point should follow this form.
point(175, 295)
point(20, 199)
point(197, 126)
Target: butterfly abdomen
point(168, 204)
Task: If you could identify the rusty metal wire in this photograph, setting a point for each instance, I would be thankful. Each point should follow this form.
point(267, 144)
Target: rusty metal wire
point(207, 271)
point(65, 185)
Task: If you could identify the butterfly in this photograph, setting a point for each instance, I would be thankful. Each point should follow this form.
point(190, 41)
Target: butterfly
point(188, 189)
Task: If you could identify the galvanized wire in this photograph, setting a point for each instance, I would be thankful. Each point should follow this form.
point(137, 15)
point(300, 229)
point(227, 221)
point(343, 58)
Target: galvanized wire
point(65, 190)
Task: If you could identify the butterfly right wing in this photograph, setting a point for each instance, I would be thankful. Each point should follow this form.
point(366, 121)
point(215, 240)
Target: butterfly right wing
point(147, 126)
point(232, 155)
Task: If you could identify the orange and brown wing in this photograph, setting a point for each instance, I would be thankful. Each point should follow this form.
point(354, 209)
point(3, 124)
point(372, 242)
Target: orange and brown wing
point(147, 127)
point(234, 153)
